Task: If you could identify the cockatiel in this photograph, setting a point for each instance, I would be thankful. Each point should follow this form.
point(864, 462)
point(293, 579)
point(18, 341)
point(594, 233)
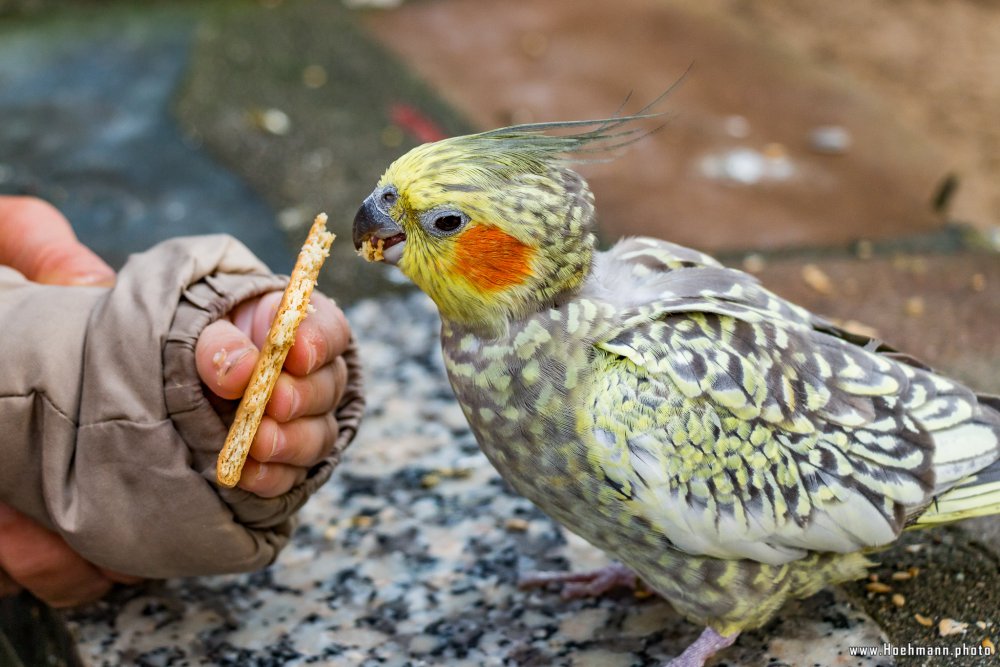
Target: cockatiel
point(729, 447)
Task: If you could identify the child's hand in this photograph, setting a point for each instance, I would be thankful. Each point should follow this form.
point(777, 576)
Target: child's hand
point(298, 429)
point(37, 240)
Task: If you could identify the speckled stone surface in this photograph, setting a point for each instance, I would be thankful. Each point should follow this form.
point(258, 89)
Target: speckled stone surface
point(410, 557)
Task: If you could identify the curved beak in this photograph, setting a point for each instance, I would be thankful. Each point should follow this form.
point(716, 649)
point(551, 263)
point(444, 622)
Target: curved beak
point(371, 223)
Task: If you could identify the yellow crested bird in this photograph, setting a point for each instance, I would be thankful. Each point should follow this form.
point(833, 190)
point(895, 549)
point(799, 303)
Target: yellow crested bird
point(729, 447)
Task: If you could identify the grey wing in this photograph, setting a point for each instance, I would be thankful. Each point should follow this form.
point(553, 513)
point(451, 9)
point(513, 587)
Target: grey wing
point(829, 442)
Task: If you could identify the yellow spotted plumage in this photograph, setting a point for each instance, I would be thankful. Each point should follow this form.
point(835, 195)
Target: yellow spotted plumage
point(730, 447)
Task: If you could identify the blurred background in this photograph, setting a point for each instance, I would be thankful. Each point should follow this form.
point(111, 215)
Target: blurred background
point(848, 153)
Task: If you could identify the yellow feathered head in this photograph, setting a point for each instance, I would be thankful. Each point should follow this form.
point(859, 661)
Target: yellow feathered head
point(490, 225)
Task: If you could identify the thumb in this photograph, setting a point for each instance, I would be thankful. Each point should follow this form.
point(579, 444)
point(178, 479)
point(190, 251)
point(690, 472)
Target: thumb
point(225, 358)
point(39, 242)
point(72, 263)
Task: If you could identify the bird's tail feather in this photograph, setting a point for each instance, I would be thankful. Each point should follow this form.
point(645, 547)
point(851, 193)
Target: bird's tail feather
point(976, 495)
point(990, 401)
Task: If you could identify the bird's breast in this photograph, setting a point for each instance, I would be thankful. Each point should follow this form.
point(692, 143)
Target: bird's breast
point(521, 396)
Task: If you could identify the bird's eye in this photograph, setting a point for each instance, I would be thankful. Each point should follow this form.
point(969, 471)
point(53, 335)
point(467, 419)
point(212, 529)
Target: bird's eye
point(389, 197)
point(448, 222)
point(443, 222)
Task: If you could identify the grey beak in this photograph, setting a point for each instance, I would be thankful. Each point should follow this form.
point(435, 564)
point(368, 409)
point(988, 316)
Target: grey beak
point(371, 221)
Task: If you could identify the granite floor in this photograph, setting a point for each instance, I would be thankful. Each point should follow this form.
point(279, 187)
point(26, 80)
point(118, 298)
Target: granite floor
point(250, 117)
point(410, 556)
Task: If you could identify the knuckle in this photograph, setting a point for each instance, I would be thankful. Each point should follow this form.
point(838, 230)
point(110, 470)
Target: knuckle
point(300, 397)
point(306, 440)
point(270, 481)
point(285, 399)
point(329, 383)
point(269, 441)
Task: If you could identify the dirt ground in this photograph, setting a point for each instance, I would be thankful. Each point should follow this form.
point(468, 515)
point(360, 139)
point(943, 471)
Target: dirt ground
point(936, 63)
point(916, 83)
point(732, 169)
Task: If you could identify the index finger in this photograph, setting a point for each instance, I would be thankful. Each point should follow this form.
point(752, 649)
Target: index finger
point(322, 337)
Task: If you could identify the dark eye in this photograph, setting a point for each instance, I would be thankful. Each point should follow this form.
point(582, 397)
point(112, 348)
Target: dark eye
point(443, 222)
point(448, 222)
point(389, 197)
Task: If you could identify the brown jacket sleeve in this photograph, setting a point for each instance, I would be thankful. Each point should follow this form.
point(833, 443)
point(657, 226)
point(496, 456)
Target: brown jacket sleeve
point(108, 438)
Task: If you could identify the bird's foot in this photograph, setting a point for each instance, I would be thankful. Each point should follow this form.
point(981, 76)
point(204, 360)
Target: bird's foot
point(591, 583)
point(708, 644)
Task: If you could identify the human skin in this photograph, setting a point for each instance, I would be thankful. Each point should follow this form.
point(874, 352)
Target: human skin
point(297, 432)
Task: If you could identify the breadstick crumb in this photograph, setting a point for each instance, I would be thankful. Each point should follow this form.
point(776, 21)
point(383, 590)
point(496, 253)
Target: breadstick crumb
point(372, 252)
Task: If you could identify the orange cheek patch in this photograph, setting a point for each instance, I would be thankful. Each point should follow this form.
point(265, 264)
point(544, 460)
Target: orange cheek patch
point(491, 259)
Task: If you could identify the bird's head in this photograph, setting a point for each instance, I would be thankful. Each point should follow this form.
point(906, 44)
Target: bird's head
point(491, 226)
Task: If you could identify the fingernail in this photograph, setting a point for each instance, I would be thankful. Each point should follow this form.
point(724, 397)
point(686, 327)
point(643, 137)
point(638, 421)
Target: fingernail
point(311, 356)
point(224, 360)
point(261, 471)
point(293, 403)
point(100, 279)
point(275, 446)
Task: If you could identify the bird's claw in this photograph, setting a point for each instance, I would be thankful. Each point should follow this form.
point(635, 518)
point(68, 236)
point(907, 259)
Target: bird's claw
point(591, 583)
point(708, 644)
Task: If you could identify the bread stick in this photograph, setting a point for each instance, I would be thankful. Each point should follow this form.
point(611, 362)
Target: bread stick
point(293, 309)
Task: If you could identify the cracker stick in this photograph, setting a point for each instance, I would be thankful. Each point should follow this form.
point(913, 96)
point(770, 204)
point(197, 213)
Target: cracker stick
point(293, 309)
